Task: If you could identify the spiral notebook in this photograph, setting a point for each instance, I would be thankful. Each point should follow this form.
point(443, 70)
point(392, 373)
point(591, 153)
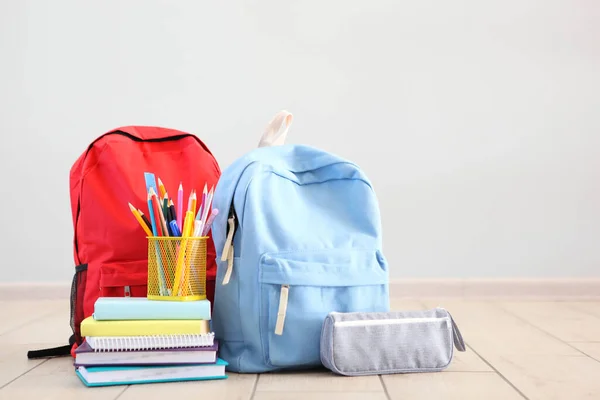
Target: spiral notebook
point(154, 342)
point(86, 356)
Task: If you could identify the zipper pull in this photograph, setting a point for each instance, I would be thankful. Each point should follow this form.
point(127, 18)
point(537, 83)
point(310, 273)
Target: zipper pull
point(227, 276)
point(127, 291)
point(227, 245)
point(283, 301)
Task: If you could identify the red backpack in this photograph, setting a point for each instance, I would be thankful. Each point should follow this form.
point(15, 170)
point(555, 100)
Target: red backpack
point(110, 247)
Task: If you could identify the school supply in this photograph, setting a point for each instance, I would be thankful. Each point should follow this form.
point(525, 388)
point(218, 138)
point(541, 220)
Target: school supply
point(154, 342)
point(180, 205)
point(146, 221)
point(93, 327)
point(134, 308)
point(137, 216)
point(209, 222)
point(108, 175)
point(87, 356)
point(173, 212)
point(365, 343)
point(161, 188)
point(111, 376)
point(175, 228)
point(300, 237)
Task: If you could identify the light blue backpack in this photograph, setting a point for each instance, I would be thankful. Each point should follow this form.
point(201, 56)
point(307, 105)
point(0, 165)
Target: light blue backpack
point(298, 235)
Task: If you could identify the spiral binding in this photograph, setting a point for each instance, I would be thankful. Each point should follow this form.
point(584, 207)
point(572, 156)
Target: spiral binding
point(155, 342)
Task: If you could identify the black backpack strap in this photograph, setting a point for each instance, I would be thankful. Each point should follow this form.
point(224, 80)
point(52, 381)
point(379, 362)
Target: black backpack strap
point(60, 351)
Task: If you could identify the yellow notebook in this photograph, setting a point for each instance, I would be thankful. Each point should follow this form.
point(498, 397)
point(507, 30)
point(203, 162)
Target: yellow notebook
point(91, 327)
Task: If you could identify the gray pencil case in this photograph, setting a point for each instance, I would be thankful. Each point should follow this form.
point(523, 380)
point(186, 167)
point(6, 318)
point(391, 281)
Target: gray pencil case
point(389, 342)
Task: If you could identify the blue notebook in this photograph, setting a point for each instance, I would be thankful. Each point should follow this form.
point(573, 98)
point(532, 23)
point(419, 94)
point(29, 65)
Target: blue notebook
point(140, 308)
point(113, 376)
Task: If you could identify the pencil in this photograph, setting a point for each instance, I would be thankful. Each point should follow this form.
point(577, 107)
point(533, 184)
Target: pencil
point(191, 203)
point(165, 204)
point(152, 215)
point(161, 216)
point(208, 206)
point(180, 206)
point(148, 224)
point(161, 188)
point(157, 213)
point(194, 203)
point(137, 216)
point(203, 204)
point(209, 221)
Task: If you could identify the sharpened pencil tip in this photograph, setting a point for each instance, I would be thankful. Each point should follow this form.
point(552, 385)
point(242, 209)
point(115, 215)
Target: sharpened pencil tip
point(131, 207)
point(152, 192)
point(180, 186)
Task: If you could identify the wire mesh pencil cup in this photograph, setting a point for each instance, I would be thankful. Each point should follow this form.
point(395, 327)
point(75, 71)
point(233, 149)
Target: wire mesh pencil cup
point(177, 268)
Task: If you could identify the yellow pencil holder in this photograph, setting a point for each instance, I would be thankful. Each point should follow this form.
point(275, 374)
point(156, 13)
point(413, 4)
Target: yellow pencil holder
point(177, 268)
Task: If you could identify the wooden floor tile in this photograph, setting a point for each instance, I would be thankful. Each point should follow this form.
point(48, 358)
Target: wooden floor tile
point(17, 313)
point(467, 361)
point(591, 349)
point(559, 319)
point(235, 387)
point(319, 396)
point(55, 379)
point(489, 329)
point(52, 328)
point(318, 381)
point(14, 361)
point(449, 386)
point(551, 377)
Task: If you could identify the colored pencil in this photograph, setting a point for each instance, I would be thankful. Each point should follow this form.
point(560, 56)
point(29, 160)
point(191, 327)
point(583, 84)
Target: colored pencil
point(152, 215)
point(209, 222)
point(152, 212)
point(203, 204)
point(165, 204)
point(161, 216)
point(192, 202)
point(148, 224)
point(139, 219)
point(161, 188)
point(157, 213)
point(207, 206)
point(180, 206)
point(172, 212)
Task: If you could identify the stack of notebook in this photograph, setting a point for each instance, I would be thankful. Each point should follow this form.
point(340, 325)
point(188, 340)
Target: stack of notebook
point(131, 340)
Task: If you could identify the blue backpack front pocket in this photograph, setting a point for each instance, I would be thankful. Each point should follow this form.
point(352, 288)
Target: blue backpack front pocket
point(298, 290)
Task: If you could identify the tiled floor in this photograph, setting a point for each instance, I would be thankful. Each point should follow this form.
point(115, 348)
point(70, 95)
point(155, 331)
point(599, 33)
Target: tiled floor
point(516, 350)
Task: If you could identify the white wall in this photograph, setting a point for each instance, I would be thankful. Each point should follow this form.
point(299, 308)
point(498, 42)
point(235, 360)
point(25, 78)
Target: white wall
point(478, 121)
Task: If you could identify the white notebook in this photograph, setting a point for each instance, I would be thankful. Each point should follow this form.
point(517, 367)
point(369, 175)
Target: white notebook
point(129, 343)
point(109, 376)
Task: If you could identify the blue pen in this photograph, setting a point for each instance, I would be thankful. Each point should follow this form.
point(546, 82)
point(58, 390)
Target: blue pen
point(175, 228)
